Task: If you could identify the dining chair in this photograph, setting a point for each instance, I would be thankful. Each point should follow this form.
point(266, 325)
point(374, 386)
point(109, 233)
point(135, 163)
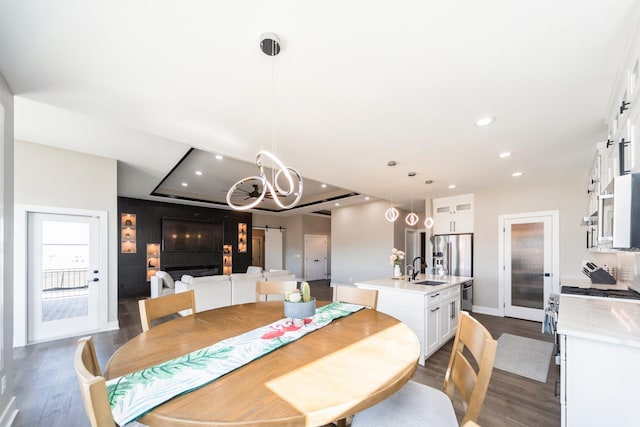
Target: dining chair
point(93, 386)
point(417, 404)
point(353, 295)
point(275, 287)
point(155, 308)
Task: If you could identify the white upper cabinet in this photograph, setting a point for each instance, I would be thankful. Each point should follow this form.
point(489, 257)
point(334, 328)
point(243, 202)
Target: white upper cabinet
point(453, 215)
point(621, 156)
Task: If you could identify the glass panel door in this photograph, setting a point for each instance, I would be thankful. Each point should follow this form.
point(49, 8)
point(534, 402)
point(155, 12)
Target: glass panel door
point(528, 266)
point(63, 279)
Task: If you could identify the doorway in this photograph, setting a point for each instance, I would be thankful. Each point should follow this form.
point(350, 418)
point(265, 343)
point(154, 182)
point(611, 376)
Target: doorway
point(64, 266)
point(315, 257)
point(415, 242)
point(257, 251)
point(529, 254)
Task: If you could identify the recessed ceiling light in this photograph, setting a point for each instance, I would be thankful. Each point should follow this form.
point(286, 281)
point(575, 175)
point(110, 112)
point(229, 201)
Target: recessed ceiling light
point(504, 155)
point(337, 204)
point(184, 184)
point(485, 121)
point(516, 174)
point(219, 156)
point(392, 163)
point(452, 186)
point(198, 173)
point(324, 185)
point(367, 197)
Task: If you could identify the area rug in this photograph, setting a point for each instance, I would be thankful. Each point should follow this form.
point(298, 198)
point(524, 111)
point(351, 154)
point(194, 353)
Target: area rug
point(523, 356)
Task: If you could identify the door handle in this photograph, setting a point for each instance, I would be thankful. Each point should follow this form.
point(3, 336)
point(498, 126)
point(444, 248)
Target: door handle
point(547, 274)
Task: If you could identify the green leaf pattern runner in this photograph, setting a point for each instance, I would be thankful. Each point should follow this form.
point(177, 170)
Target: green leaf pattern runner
point(135, 394)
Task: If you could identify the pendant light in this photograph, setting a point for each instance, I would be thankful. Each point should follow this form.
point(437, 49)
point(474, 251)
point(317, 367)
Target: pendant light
point(270, 46)
point(392, 213)
point(411, 219)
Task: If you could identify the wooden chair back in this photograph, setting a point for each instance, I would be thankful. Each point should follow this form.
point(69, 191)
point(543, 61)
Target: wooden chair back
point(353, 295)
point(92, 384)
point(155, 308)
point(274, 287)
point(471, 385)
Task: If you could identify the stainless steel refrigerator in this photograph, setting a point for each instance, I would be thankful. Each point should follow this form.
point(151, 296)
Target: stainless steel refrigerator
point(453, 255)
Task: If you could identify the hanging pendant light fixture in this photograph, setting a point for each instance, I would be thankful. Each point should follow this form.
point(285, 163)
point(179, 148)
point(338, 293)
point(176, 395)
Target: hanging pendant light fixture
point(428, 222)
point(411, 219)
point(270, 46)
point(391, 214)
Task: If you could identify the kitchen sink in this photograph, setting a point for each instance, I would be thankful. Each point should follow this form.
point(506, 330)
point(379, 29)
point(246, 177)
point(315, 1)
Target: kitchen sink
point(429, 283)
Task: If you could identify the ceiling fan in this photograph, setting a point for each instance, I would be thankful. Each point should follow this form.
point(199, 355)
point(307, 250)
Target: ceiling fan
point(255, 193)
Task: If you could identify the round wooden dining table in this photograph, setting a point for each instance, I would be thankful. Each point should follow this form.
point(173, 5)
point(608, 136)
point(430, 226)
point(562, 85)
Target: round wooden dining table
point(329, 374)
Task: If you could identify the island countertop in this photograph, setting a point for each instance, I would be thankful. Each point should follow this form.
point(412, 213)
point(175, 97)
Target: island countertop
point(411, 286)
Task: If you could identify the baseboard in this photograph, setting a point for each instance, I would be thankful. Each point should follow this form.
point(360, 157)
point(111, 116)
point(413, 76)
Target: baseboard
point(487, 310)
point(10, 413)
point(112, 326)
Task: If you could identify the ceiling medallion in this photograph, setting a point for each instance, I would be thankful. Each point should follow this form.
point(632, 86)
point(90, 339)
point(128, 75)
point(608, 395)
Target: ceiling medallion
point(392, 214)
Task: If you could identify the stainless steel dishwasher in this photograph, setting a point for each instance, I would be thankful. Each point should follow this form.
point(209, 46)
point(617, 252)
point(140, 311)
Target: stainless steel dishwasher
point(466, 293)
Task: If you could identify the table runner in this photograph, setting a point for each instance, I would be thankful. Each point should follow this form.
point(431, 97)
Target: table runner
point(135, 394)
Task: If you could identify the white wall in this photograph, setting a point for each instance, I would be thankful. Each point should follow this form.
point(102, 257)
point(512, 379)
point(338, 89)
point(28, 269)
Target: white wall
point(361, 242)
point(568, 197)
point(51, 177)
point(7, 400)
point(293, 242)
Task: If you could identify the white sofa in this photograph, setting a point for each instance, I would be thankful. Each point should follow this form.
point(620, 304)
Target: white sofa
point(162, 284)
point(243, 287)
point(210, 291)
point(216, 291)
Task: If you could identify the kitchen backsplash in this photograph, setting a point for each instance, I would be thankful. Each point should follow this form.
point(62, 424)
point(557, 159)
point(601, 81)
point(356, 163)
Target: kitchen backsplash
point(629, 267)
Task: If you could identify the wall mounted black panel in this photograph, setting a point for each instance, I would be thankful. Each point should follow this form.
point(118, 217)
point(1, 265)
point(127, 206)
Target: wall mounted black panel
point(149, 214)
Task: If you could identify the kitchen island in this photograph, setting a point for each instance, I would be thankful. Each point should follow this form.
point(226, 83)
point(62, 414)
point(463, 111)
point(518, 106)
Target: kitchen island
point(599, 354)
point(431, 310)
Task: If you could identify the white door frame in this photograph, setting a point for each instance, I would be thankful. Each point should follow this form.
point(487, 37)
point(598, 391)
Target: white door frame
point(555, 252)
point(20, 305)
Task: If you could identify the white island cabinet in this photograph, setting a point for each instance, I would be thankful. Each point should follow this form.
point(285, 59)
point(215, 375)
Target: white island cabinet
point(431, 311)
point(599, 361)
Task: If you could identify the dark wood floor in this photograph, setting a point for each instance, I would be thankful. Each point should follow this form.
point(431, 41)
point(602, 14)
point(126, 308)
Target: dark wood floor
point(47, 392)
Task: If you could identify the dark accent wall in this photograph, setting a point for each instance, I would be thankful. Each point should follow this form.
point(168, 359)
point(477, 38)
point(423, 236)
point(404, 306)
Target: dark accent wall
point(132, 267)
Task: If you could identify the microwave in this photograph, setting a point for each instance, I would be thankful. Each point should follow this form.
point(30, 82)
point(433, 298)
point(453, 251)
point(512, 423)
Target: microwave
point(605, 220)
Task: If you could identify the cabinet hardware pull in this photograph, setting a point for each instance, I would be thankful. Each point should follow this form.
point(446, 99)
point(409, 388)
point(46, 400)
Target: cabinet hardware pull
point(434, 295)
point(624, 106)
point(435, 309)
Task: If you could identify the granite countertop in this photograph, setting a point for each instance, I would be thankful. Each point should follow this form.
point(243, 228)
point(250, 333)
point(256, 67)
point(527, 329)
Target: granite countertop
point(404, 285)
point(601, 319)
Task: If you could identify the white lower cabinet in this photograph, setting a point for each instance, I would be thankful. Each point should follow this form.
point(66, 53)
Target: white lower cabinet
point(433, 317)
point(441, 318)
point(598, 382)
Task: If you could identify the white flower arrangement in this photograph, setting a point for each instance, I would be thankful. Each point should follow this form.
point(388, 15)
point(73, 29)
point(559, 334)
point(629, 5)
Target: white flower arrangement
point(396, 257)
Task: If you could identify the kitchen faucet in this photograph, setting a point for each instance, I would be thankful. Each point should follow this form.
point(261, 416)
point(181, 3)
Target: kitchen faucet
point(415, 271)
